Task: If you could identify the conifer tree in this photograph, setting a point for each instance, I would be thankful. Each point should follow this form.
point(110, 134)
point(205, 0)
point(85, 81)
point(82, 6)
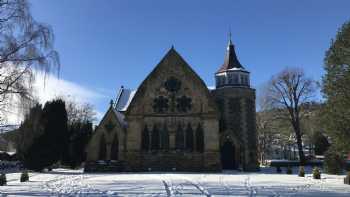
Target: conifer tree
point(52, 145)
point(336, 89)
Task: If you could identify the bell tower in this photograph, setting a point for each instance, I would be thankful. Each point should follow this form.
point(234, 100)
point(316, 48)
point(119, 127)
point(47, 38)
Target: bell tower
point(236, 102)
point(232, 73)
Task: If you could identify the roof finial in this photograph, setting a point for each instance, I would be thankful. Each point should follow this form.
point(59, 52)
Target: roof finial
point(229, 36)
point(111, 102)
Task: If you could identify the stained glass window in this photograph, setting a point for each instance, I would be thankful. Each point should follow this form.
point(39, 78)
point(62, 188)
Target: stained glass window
point(184, 104)
point(160, 104)
point(145, 139)
point(189, 138)
point(199, 139)
point(179, 138)
point(165, 138)
point(155, 138)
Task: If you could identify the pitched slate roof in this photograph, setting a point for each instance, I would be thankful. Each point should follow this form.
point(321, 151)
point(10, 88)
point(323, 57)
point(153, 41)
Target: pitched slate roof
point(123, 99)
point(231, 61)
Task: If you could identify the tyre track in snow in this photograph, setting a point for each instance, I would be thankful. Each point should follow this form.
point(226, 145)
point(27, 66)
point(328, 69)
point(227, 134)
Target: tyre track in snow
point(167, 188)
point(200, 188)
point(198, 185)
point(174, 189)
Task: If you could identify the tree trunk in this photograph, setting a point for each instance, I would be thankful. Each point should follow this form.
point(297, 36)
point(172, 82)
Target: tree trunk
point(299, 143)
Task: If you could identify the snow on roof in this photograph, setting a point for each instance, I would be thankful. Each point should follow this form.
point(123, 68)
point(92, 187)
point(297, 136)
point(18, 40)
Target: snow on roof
point(124, 98)
point(211, 88)
point(238, 69)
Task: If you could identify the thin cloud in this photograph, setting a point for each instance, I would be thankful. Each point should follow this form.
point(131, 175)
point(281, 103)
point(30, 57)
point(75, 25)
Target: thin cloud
point(52, 87)
point(46, 88)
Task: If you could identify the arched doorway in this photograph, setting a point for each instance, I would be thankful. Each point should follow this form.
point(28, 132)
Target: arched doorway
point(115, 148)
point(102, 155)
point(228, 155)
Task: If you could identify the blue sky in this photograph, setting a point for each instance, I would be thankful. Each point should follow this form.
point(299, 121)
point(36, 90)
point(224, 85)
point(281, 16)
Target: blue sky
point(104, 44)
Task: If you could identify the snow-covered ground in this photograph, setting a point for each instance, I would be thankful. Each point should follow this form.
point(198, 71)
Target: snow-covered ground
point(62, 182)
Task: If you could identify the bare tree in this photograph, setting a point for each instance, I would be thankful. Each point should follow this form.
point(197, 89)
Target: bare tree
point(265, 134)
point(25, 46)
point(273, 132)
point(79, 112)
point(287, 91)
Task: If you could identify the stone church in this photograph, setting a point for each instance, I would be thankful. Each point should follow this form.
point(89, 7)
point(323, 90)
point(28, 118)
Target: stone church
point(173, 122)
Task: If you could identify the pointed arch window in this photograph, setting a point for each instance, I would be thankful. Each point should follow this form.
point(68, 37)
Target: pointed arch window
point(165, 138)
point(102, 155)
point(145, 139)
point(115, 148)
point(179, 138)
point(199, 139)
point(155, 138)
point(189, 138)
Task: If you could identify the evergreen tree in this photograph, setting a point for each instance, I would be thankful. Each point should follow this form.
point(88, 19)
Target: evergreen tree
point(30, 129)
point(336, 89)
point(80, 134)
point(55, 128)
point(321, 143)
point(52, 145)
point(333, 162)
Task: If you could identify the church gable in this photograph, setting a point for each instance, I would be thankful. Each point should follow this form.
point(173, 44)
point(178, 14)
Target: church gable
point(172, 88)
point(109, 132)
point(112, 120)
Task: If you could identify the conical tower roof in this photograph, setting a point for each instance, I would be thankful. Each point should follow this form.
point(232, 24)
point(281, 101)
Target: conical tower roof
point(231, 60)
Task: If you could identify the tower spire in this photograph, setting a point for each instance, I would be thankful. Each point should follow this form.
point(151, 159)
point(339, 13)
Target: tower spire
point(231, 60)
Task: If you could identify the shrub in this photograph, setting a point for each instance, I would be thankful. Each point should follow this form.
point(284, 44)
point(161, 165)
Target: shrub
point(316, 173)
point(347, 179)
point(321, 143)
point(301, 171)
point(289, 170)
point(3, 180)
point(278, 169)
point(333, 162)
point(24, 176)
